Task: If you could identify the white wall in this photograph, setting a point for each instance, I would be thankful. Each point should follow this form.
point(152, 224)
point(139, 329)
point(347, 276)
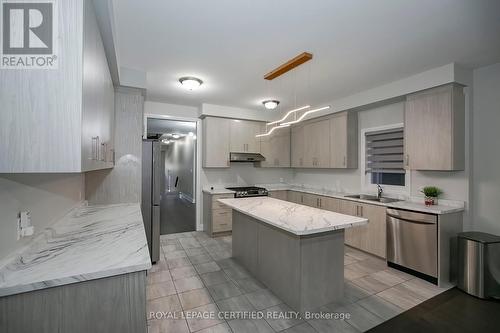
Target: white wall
point(485, 191)
point(170, 110)
point(47, 196)
point(244, 174)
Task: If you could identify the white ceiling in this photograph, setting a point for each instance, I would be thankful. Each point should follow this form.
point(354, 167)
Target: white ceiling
point(356, 44)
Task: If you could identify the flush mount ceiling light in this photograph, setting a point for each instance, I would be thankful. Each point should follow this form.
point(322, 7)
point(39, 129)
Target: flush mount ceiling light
point(271, 104)
point(190, 82)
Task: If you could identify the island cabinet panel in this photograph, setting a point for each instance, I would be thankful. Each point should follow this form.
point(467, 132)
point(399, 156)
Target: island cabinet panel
point(275, 148)
point(112, 304)
point(435, 129)
point(243, 136)
point(215, 142)
point(297, 146)
point(370, 238)
point(282, 195)
point(344, 140)
point(317, 144)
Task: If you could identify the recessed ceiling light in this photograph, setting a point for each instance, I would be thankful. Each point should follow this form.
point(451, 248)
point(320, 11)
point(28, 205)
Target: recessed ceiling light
point(190, 82)
point(271, 104)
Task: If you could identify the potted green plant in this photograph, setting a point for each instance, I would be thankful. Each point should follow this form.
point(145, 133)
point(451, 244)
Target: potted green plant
point(431, 195)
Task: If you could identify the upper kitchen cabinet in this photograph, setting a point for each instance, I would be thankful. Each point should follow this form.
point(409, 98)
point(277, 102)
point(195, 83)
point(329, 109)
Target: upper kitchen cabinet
point(60, 119)
point(317, 144)
point(344, 140)
point(243, 136)
point(216, 142)
point(276, 148)
point(435, 129)
point(297, 146)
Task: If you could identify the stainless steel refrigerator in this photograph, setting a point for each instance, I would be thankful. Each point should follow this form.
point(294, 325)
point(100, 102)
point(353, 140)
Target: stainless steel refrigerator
point(151, 195)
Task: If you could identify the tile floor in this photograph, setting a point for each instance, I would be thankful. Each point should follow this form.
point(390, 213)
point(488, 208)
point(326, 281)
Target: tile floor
point(196, 280)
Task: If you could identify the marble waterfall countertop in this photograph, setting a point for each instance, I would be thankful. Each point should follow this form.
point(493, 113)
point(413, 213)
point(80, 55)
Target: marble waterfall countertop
point(90, 242)
point(297, 219)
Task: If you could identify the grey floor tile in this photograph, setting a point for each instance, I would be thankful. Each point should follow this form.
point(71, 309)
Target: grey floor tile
point(215, 247)
point(227, 263)
point(175, 254)
point(356, 254)
point(237, 272)
point(281, 317)
point(223, 290)
point(168, 325)
point(195, 251)
point(171, 248)
point(370, 284)
point(166, 241)
point(195, 298)
point(423, 288)
point(189, 283)
point(332, 326)
point(158, 290)
point(218, 255)
point(212, 278)
point(178, 262)
point(182, 272)
point(220, 328)
point(238, 304)
point(200, 259)
point(301, 328)
point(401, 296)
point(262, 299)
point(382, 308)
point(158, 277)
point(161, 265)
point(203, 317)
point(249, 284)
point(250, 326)
point(189, 242)
point(398, 273)
point(387, 277)
point(207, 267)
point(349, 260)
point(353, 293)
point(361, 318)
point(164, 304)
point(350, 274)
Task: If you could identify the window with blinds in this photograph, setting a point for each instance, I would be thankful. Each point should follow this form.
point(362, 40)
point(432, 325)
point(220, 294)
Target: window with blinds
point(385, 157)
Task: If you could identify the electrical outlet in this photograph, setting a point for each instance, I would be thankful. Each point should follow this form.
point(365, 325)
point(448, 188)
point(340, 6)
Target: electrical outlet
point(282, 180)
point(24, 226)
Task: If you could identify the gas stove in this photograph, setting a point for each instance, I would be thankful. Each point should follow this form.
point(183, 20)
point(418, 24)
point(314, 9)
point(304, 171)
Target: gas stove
point(248, 191)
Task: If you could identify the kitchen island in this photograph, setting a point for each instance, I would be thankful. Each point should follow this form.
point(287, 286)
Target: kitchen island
point(295, 250)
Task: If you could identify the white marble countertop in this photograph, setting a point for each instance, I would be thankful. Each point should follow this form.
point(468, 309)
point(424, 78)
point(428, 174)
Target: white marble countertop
point(297, 219)
point(414, 204)
point(88, 243)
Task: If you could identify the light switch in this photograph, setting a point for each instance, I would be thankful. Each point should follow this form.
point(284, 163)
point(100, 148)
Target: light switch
point(24, 226)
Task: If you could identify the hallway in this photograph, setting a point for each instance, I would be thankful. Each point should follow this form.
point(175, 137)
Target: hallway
point(176, 214)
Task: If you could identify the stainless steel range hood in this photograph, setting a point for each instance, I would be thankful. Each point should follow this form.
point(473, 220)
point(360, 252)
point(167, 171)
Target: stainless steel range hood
point(246, 157)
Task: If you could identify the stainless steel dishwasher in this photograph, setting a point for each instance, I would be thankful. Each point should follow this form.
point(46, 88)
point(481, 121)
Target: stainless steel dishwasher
point(412, 243)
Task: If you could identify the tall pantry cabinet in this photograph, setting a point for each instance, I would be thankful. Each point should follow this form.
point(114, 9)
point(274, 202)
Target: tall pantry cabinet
point(60, 120)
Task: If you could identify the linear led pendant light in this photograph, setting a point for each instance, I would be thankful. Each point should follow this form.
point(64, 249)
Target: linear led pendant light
point(271, 131)
point(289, 113)
point(305, 114)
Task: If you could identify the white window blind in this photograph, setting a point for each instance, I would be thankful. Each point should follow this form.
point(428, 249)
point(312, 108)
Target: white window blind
point(385, 151)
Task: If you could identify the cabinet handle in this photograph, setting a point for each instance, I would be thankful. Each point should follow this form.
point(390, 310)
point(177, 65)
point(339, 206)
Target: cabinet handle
point(320, 203)
point(361, 208)
point(104, 152)
point(301, 198)
point(407, 162)
point(113, 156)
point(344, 161)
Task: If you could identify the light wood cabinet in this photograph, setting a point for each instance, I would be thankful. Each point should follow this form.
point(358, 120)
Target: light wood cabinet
point(281, 195)
point(297, 146)
point(217, 218)
point(317, 144)
point(344, 140)
point(60, 120)
point(371, 237)
point(243, 136)
point(215, 142)
point(275, 148)
point(435, 129)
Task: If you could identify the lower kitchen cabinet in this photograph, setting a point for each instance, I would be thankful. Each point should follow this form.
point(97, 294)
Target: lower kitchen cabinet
point(217, 218)
point(282, 195)
point(371, 237)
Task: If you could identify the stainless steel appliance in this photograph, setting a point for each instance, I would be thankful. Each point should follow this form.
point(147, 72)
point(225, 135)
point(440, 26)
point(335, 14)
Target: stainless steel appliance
point(248, 191)
point(479, 264)
point(246, 157)
point(151, 195)
point(412, 243)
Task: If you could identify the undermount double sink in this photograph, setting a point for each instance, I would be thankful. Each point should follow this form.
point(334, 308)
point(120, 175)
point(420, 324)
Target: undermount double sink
point(372, 198)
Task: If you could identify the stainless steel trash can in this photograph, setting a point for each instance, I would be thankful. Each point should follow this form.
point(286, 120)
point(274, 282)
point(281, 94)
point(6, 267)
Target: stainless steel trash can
point(479, 264)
